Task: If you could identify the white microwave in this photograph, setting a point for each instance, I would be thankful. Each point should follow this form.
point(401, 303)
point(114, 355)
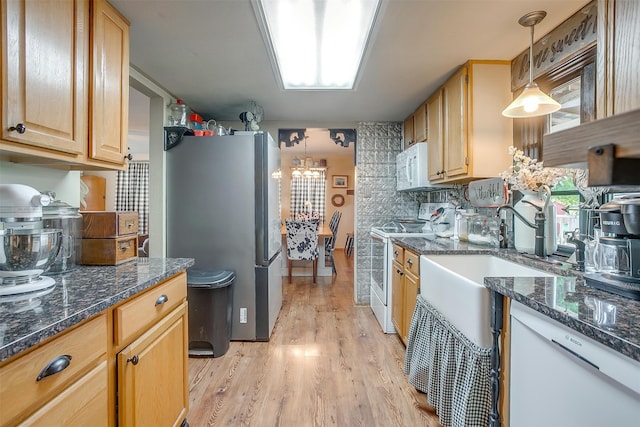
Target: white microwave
point(412, 168)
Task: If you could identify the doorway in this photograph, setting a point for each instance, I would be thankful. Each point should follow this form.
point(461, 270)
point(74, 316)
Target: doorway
point(316, 149)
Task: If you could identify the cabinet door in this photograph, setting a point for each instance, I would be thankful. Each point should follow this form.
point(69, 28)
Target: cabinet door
point(408, 133)
point(420, 123)
point(44, 57)
point(397, 298)
point(455, 93)
point(411, 289)
point(153, 375)
point(110, 84)
point(436, 142)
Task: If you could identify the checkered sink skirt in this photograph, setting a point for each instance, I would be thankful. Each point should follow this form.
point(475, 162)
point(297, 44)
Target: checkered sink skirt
point(453, 371)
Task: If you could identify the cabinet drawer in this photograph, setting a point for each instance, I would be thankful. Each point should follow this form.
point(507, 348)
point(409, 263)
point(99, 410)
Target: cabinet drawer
point(100, 225)
point(109, 251)
point(398, 254)
point(412, 263)
point(84, 403)
point(21, 392)
point(132, 317)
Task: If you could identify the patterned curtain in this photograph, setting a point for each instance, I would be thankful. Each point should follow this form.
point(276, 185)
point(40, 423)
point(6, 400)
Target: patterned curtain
point(132, 192)
point(311, 190)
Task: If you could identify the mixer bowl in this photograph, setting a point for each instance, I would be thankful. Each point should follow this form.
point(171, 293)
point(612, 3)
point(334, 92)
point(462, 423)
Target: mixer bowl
point(28, 250)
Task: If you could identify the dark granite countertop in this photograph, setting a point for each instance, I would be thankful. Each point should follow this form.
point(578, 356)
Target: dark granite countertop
point(76, 296)
point(602, 316)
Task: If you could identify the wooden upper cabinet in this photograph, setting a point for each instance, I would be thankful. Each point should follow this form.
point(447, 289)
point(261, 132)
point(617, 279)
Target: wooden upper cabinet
point(408, 132)
point(456, 117)
point(468, 136)
point(44, 76)
point(109, 85)
point(420, 123)
point(436, 141)
point(618, 57)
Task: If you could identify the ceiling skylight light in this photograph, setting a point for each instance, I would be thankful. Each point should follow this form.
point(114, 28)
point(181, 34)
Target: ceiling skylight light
point(317, 44)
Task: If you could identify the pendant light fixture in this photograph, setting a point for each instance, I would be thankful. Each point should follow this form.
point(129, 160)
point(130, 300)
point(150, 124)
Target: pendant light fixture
point(305, 172)
point(532, 101)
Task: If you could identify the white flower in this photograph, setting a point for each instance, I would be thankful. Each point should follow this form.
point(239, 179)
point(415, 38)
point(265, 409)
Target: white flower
point(528, 174)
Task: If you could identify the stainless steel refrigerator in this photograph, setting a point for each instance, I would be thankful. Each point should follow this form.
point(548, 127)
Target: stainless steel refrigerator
point(223, 209)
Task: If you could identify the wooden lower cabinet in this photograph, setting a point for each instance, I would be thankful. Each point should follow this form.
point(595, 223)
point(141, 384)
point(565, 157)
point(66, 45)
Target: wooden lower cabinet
point(124, 366)
point(411, 290)
point(27, 394)
point(153, 375)
point(405, 286)
point(397, 298)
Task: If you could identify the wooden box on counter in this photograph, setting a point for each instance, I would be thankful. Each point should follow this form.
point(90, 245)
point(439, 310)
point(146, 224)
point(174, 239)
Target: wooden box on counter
point(109, 251)
point(109, 238)
point(102, 225)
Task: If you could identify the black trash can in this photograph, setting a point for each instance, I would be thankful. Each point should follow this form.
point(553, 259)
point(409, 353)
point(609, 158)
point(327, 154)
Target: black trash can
point(210, 296)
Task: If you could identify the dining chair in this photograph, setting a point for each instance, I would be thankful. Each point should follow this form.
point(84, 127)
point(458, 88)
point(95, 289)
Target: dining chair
point(302, 243)
point(330, 242)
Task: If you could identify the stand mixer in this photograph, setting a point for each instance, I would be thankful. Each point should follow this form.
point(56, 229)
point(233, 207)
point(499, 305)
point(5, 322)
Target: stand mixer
point(27, 249)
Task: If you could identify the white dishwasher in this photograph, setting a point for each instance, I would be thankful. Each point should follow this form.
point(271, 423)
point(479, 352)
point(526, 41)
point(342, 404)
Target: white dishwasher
point(560, 377)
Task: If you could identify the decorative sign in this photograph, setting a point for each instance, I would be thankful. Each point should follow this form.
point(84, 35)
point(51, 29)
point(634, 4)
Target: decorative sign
point(562, 43)
point(487, 193)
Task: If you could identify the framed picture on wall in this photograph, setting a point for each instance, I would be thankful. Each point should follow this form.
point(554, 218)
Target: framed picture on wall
point(339, 181)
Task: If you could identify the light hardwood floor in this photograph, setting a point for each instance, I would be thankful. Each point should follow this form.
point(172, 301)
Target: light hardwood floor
point(327, 364)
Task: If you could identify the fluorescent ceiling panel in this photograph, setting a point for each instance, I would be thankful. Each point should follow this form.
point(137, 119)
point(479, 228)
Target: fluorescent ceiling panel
point(317, 44)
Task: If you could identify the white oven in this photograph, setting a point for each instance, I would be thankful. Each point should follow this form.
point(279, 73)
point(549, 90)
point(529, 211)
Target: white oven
point(382, 260)
point(379, 295)
point(381, 263)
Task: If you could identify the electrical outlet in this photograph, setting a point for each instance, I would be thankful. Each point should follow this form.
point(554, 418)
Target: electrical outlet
point(243, 315)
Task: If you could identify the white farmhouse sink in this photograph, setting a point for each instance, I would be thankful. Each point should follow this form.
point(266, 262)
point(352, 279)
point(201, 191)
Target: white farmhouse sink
point(454, 285)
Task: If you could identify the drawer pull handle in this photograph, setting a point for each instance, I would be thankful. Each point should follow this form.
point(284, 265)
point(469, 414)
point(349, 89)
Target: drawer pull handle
point(125, 246)
point(410, 262)
point(129, 223)
point(134, 360)
point(162, 299)
point(58, 364)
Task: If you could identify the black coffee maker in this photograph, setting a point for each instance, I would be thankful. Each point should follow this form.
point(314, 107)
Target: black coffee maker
point(619, 248)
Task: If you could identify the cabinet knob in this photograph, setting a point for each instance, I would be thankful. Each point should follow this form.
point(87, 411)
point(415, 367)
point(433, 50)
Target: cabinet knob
point(134, 360)
point(58, 364)
point(128, 156)
point(20, 128)
point(162, 299)
point(410, 262)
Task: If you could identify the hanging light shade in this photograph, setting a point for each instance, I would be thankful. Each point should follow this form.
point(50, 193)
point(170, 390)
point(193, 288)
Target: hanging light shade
point(532, 101)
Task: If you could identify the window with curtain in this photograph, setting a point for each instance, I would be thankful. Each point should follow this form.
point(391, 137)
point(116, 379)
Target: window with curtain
point(308, 195)
point(132, 192)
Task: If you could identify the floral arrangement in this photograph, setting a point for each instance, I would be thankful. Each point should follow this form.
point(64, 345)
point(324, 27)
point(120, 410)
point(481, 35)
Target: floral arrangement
point(528, 174)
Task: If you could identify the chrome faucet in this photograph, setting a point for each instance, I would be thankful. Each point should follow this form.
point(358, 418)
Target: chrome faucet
point(540, 219)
